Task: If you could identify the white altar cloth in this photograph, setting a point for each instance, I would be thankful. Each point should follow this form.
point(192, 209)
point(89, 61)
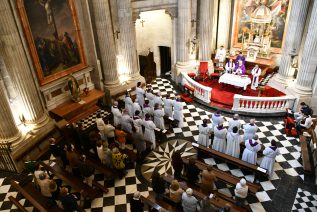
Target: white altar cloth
point(235, 80)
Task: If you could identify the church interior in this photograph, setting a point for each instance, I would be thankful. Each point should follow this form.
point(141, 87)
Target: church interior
point(158, 105)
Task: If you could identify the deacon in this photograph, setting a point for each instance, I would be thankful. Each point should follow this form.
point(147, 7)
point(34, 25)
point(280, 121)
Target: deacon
point(137, 122)
point(178, 111)
point(136, 107)
point(221, 54)
point(249, 130)
point(230, 66)
point(140, 93)
point(235, 122)
point(239, 69)
point(168, 106)
point(116, 114)
point(220, 133)
point(204, 131)
point(233, 143)
point(240, 57)
point(158, 99)
point(128, 104)
point(150, 96)
point(216, 118)
point(251, 148)
point(126, 121)
point(256, 73)
point(147, 108)
point(159, 116)
point(270, 154)
point(149, 126)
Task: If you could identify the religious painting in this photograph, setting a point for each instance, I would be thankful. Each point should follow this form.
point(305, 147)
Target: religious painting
point(243, 12)
point(53, 36)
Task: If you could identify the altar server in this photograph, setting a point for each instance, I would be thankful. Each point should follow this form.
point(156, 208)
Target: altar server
point(140, 93)
point(221, 54)
point(216, 118)
point(126, 121)
point(137, 122)
point(239, 69)
point(136, 106)
point(149, 134)
point(240, 57)
point(150, 96)
point(230, 66)
point(235, 122)
point(256, 73)
point(128, 104)
point(249, 130)
point(158, 99)
point(168, 106)
point(204, 131)
point(159, 116)
point(270, 154)
point(233, 143)
point(220, 133)
point(147, 108)
point(251, 148)
point(116, 114)
point(178, 111)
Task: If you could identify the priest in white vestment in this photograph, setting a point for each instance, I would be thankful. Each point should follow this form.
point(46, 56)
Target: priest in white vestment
point(168, 106)
point(250, 154)
point(204, 131)
point(116, 114)
point(149, 134)
point(178, 112)
point(140, 93)
point(128, 104)
point(137, 122)
point(235, 122)
point(241, 191)
point(221, 54)
point(126, 121)
point(150, 96)
point(147, 108)
point(136, 106)
point(270, 154)
point(158, 99)
point(159, 117)
point(256, 73)
point(230, 66)
point(219, 143)
point(233, 143)
point(250, 130)
point(216, 119)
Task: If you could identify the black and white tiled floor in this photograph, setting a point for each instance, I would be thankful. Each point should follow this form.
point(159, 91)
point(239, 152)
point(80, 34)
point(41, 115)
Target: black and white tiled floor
point(288, 165)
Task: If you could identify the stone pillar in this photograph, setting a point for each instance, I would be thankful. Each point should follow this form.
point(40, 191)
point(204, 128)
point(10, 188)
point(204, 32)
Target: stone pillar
point(307, 68)
point(106, 43)
point(224, 23)
point(294, 33)
point(172, 12)
point(127, 41)
point(15, 59)
point(205, 30)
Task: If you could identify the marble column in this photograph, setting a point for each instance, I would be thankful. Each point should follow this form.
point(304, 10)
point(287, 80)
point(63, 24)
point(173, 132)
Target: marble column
point(294, 33)
point(205, 30)
point(19, 70)
point(106, 43)
point(127, 41)
point(224, 23)
point(307, 68)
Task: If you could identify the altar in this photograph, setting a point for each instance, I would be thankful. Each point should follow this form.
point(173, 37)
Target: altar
point(235, 80)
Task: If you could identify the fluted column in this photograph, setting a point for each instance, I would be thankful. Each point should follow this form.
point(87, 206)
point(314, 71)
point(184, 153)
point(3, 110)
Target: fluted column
point(106, 43)
point(294, 33)
point(15, 58)
point(205, 30)
point(127, 41)
point(224, 23)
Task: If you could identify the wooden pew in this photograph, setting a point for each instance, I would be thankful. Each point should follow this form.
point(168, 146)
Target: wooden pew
point(34, 197)
point(76, 183)
point(219, 201)
point(150, 203)
point(307, 166)
point(258, 171)
point(224, 176)
point(17, 204)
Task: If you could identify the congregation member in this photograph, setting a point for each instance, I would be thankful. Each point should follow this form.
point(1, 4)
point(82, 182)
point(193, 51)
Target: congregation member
point(86, 171)
point(189, 202)
point(137, 123)
point(121, 136)
point(168, 106)
point(147, 108)
point(136, 107)
point(256, 73)
point(206, 205)
point(44, 184)
point(158, 116)
point(158, 183)
point(178, 111)
point(149, 134)
point(177, 164)
point(216, 118)
point(104, 154)
point(150, 96)
point(157, 99)
point(221, 54)
point(128, 104)
point(270, 154)
point(204, 132)
point(140, 93)
point(81, 141)
point(192, 173)
point(241, 192)
point(226, 208)
point(118, 161)
point(109, 132)
point(219, 142)
point(175, 191)
point(136, 205)
point(101, 126)
point(208, 179)
point(230, 66)
point(250, 130)
point(304, 124)
point(239, 69)
point(234, 122)
point(73, 159)
point(116, 114)
point(68, 200)
point(233, 143)
point(126, 121)
point(240, 57)
point(250, 153)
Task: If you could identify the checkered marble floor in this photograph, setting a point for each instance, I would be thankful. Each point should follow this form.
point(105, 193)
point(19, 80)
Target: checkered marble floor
point(305, 201)
point(91, 119)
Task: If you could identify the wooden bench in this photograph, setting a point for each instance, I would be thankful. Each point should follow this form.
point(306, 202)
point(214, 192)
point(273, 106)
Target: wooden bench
point(34, 197)
point(76, 183)
point(17, 204)
point(311, 129)
point(150, 203)
point(307, 165)
point(258, 171)
point(224, 176)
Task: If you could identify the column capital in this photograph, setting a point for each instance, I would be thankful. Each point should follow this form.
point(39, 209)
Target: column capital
point(171, 11)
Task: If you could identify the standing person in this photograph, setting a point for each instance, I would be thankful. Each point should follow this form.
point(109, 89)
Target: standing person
point(239, 69)
point(126, 121)
point(159, 117)
point(189, 202)
point(230, 66)
point(251, 148)
point(139, 143)
point(221, 54)
point(81, 141)
point(149, 134)
point(101, 127)
point(147, 108)
point(137, 123)
point(256, 73)
point(158, 99)
point(150, 96)
point(69, 201)
point(73, 159)
point(128, 104)
point(177, 164)
point(121, 136)
point(270, 154)
point(157, 183)
point(136, 205)
point(208, 179)
point(116, 114)
point(216, 118)
point(140, 93)
point(118, 161)
point(235, 122)
point(178, 111)
point(241, 191)
point(168, 106)
point(204, 131)
point(240, 57)
point(44, 183)
point(137, 107)
point(175, 192)
point(219, 143)
point(233, 143)
point(109, 132)
point(250, 130)
point(86, 171)
point(192, 171)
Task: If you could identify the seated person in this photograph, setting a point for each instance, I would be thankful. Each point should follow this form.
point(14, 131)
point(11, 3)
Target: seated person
point(230, 66)
point(69, 201)
point(118, 161)
point(175, 192)
point(239, 69)
point(189, 202)
point(304, 109)
point(157, 183)
point(192, 171)
point(241, 191)
point(304, 124)
point(136, 205)
point(240, 57)
point(221, 54)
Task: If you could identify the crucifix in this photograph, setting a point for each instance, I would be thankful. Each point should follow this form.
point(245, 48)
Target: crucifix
point(142, 22)
point(193, 21)
point(117, 33)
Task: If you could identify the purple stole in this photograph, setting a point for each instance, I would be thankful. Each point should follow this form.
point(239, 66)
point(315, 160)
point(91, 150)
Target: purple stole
point(253, 144)
point(204, 125)
point(217, 115)
point(145, 105)
point(219, 127)
point(273, 147)
point(136, 117)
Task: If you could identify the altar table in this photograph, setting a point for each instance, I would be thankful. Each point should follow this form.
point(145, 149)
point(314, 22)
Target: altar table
point(235, 80)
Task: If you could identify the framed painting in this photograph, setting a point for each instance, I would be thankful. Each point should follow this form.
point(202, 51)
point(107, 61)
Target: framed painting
point(53, 36)
point(242, 14)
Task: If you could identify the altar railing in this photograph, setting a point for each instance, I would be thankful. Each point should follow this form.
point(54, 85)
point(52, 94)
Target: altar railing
point(262, 104)
point(200, 91)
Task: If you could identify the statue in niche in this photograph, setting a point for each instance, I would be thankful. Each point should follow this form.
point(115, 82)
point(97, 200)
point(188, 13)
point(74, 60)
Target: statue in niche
point(73, 88)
